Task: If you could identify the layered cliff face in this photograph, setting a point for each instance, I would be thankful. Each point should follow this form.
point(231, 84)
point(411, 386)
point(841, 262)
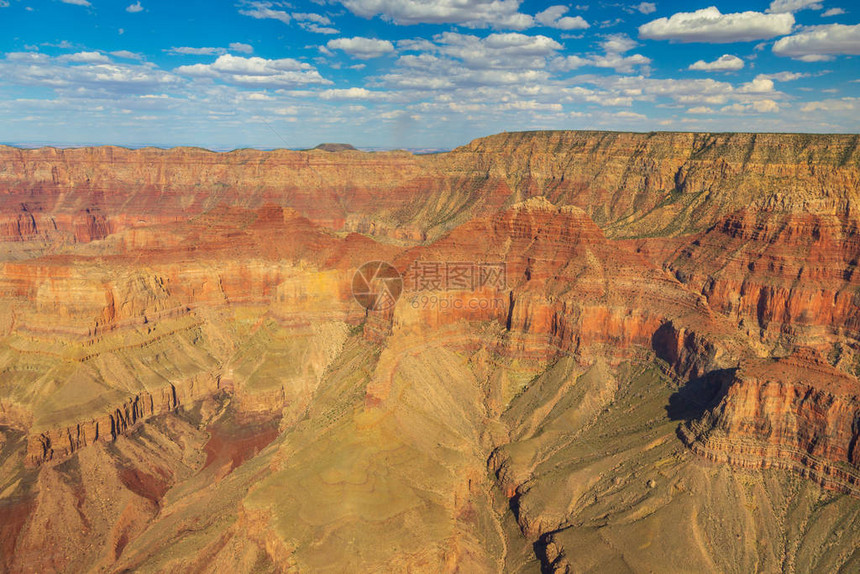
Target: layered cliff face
point(630, 184)
point(660, 183)
point(797, 413)
point(612, 351)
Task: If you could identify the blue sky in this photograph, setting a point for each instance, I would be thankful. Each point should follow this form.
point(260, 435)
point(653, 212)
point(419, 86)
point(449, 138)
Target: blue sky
point(417, 74)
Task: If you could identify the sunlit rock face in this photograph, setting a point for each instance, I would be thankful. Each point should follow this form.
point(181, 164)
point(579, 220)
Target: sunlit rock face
point(607, 352)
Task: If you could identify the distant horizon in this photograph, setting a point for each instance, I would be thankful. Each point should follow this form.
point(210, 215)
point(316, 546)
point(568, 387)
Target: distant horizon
point(390, 75)
point(371, 149)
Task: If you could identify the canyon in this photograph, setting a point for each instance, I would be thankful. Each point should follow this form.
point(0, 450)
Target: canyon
point(664, 377)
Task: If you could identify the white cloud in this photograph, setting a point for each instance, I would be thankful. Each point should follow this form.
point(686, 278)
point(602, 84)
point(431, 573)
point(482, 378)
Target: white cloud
point(784, 76)
point(700, 110)
point(429, 72)
point(725, 63)
point(415, 45)
point(530, 105)
point(466, 73)
point(258, 72)
point(134, 8)
point(79, 79)
point(841, 105)
point(760, 85)
point(820, 43)
point(783, 6)
point(618, 43)
point(240, 47)
point(353, 94)
point(693, 92)
point(500, 51)
point(316, 28)
point(263, 11)
point(833, 12)
point(127, 54)
point(311, 17)
point(316, 23)
point(311, 22)
point(646, 7)
point(189, 51)
point(554, 17)
point(711, 26)
point(85, 58)
point(760, 106)
point(614, 47)
point(470, 13)
point(362, 48)
point(76, 2)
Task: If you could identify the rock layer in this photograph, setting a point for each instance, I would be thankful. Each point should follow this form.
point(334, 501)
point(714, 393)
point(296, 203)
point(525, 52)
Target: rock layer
point(796, 413)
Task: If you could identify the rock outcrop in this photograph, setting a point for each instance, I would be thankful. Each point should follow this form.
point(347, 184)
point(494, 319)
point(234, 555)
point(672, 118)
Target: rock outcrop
point(796, 413)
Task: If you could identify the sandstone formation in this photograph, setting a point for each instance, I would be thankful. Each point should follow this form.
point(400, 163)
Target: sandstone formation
point(796, 412)
point(613, 352)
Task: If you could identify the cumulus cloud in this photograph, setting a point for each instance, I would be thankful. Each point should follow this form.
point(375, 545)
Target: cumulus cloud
point(190, 51)
point(256, 72)
point(354, 94)
point(127, 55)
point(761, 84)
point(646, 7)
point(693, 92)
point(465, 73)
point(210, 50)
point(362, 48)
point(615, 47)
point(470, 13)
point(711, 26)
point(430, 72)
point(500, 51)
point(85, 58)
point(316, 23)
point(784, 76)
point(683, 91)
point(759, 106)
point(783, 6)
point(134, 8)
point(833, 12)
point(700, 110)
point(415, 45)
point(240, 47)
point(725, 63)
point(89, 74)
point(554, 17)
point(820, 43)
point(263, 11)
point(840, 105)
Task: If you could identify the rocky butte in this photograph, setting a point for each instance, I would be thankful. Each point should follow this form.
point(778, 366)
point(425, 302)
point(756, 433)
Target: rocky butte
point(664, 381)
